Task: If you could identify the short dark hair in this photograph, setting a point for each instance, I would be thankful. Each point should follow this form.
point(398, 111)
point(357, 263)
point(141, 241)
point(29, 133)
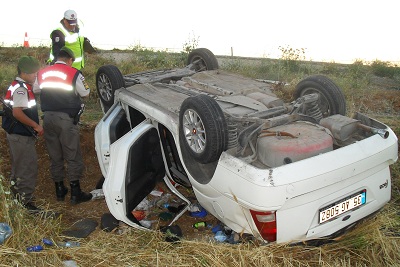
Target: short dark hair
point(28, 64)
point(65, 52)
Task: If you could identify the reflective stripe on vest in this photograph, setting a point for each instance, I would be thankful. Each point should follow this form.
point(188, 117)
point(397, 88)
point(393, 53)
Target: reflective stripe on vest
point(57, 80)
point(14, 86)
point(58, 91)
point(58, 76)
point(74, 42)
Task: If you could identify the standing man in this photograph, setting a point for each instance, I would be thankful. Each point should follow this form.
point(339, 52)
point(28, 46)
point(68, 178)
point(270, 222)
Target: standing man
point(61, 88)
point(67, 34)
point(21, 127)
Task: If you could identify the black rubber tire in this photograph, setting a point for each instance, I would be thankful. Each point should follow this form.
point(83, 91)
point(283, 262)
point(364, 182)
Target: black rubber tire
point(331, 98)
point(213, 123)
point(108, 79)
point(207, 60)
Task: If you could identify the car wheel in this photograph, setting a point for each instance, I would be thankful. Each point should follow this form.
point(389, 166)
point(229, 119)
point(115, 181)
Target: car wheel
point(108, 79)
point(202, 59)
point(202, 128)
point(331, 98)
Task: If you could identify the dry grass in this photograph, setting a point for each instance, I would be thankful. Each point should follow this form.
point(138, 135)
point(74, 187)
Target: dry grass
point(373, 242)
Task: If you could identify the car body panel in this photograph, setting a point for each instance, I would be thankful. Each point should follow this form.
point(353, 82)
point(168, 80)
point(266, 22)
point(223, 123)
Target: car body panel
point(306, 192)
point(103, 138)
point(115, 182)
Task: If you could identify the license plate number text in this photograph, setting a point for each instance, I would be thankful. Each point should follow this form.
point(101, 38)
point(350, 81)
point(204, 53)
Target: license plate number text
point(332, 211)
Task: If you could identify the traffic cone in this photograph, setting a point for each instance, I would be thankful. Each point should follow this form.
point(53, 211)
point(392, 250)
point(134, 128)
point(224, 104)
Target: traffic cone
point(26, 40)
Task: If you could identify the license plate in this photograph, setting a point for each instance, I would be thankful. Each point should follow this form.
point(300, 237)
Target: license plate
point(332, 211)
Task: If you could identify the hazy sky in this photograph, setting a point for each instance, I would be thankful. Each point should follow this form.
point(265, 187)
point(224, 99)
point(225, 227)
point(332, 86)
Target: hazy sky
point(340, 30)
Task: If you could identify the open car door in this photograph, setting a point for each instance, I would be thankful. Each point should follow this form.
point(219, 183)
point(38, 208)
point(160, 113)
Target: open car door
point(110, 128)
point(135, 167)
point(131, 161)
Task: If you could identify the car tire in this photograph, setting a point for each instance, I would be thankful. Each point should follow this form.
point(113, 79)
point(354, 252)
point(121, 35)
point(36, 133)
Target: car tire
point(331, 98)
point(202, 128)
point(202, 59)
point(108, 79)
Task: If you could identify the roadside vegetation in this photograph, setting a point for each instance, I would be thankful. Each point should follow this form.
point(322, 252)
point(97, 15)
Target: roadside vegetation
point(369, 87)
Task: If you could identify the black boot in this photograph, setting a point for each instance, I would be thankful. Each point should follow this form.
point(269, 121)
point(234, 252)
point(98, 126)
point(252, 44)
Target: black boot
point(77, 195)
point(61, 191)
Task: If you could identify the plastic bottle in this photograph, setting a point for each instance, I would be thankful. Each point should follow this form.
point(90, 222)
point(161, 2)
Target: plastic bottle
point(69, 244)
point(34, 248)
point(199, 225)
point(5, 232)
point(220, 236)
point(47, 242)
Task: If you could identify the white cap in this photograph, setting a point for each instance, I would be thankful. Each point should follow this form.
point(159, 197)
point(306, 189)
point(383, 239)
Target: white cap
point(71, 16)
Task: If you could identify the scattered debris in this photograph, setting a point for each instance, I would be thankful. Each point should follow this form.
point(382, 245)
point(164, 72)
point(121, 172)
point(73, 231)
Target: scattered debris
point(197, 211)
point(165, 216)
point(108, 222)
point(70, 263)
point(139, 214)
point(97, 194)
point(156, 193)
point(147, 223)
point(160, 207)
point(5, 232)
point(220, 236)
point(47, 242)
point(68, 244)
point(81, 228)
point(36, 248)
point(199, 225)
point(173, 233)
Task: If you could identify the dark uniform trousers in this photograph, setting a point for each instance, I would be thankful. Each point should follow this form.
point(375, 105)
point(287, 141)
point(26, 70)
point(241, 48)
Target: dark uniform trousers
point(63, 145)
point(24, 166)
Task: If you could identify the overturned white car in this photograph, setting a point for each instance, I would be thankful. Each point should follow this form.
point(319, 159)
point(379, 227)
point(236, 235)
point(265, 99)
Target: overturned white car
point(283, 172)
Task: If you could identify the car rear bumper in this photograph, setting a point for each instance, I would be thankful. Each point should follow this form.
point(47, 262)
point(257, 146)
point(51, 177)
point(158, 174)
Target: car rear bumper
point(298, 191)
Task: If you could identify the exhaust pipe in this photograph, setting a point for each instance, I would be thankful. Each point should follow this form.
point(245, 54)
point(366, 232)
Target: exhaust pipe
point(383, 133)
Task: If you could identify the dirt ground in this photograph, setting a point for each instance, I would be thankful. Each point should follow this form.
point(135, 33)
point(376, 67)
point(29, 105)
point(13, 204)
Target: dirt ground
point(94, 209)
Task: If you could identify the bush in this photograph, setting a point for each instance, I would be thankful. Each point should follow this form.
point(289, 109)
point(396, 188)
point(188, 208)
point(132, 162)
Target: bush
point(384, 69)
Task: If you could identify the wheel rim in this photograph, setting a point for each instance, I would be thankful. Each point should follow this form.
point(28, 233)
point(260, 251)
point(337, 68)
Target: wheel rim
point(199, 63)
point(105, 88)
point(323, 102)
point(194, 131)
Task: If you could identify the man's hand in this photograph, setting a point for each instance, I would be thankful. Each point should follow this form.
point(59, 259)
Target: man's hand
point(87, 46)
point(39, 129)
point(19, 114)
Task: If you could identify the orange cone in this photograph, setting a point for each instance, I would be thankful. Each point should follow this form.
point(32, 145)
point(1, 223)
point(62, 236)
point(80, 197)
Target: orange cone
point(26, 40)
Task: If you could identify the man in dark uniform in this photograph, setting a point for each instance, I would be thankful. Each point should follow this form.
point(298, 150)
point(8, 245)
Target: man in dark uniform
point(21, 128)
point(61, 89)
point(67, 34)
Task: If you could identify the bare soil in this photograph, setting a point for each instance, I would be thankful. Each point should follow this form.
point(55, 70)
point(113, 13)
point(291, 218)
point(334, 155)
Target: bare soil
point(94, 209)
